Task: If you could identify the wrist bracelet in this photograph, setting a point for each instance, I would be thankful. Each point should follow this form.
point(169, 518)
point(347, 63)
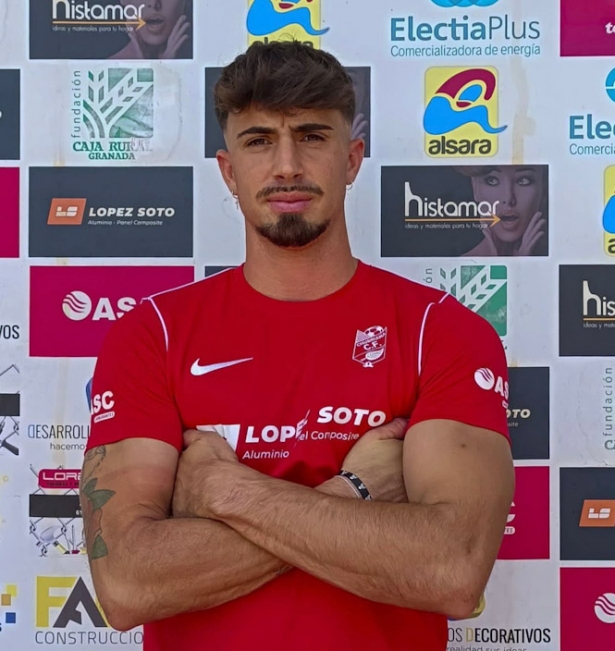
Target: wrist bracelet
point(356, 483)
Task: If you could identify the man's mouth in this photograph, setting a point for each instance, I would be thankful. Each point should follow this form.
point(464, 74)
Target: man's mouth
point(289, 202)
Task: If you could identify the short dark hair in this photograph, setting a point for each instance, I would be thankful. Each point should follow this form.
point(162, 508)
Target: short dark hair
point(284, 76)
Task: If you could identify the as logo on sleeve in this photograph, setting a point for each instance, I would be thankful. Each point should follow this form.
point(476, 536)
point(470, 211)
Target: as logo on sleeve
point(487, 380)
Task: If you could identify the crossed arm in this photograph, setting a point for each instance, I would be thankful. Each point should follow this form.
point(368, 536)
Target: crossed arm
point(433, 553)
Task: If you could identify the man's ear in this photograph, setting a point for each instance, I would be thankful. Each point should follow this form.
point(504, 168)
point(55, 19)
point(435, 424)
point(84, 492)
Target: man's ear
point(356, 154)
point(226, 169)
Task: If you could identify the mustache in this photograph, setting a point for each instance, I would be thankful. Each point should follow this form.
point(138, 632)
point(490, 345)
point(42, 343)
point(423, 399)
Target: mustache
point(308, 189)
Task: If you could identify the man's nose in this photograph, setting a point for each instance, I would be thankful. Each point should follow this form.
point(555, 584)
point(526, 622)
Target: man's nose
point(287, 161)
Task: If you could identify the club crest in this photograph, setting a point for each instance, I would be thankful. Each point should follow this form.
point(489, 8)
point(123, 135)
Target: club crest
point(370, 346)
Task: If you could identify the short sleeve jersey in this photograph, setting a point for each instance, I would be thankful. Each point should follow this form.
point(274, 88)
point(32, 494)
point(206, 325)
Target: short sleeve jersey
point(292, 386)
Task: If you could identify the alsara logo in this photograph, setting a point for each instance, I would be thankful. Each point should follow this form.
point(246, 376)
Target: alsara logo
point(78, 306)
point(7, 612)
point(461, 111)
point(271, 20)
point(74, 12)
point(605, 608)
point(464, 3)
point(608, 216)
point(112, 113)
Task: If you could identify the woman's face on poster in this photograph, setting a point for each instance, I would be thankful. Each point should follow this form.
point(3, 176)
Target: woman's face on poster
point(516, 191)
point(160, 17)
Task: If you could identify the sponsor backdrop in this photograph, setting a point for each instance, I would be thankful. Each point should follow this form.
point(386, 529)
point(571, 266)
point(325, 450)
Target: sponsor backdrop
point(110, 192)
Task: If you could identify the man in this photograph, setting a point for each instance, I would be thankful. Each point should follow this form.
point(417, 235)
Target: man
point(301, 363)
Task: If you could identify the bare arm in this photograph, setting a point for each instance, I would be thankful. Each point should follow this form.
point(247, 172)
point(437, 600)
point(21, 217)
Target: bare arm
point(148, 566)
point(434, 554)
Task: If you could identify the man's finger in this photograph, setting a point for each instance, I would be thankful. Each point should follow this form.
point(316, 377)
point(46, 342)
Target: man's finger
point(396, 429)
point(193, 435)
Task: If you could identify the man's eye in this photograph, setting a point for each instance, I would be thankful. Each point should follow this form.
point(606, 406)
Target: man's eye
point(313, 137)
point(257, 142)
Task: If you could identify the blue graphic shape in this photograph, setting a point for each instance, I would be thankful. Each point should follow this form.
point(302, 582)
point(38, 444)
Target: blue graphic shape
point(440, 117)
point(464, 3)
point(10, 618)
point(471, 94)
point(608, 216)
point(264, 19)
point(88, 393)
point(610, 85)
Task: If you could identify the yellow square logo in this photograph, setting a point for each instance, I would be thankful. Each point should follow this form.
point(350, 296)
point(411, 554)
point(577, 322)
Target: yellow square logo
point(285, 20)
point(461, 112)
point(608, 216)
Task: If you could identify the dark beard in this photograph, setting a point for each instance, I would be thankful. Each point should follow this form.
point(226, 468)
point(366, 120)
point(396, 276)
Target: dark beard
point(292, 231)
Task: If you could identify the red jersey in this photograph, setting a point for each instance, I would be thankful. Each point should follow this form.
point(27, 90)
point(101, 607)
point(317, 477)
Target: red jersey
point(292, 386)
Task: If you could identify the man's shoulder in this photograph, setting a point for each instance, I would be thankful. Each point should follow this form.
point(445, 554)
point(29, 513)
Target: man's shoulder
point(415, 295)
point(182, 300)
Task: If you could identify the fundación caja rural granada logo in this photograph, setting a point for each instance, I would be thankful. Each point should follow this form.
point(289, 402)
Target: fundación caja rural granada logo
point(461, 112)
point(481, 288)
point(112, 113)
point(276, 20)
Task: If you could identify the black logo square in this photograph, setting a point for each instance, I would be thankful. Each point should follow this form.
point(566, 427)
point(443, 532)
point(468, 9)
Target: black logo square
point(111, 29)
point(10, 103)
point(528, 412)
point(141, 212)
point(432, 211)
point(587, 310)
point(587, 507)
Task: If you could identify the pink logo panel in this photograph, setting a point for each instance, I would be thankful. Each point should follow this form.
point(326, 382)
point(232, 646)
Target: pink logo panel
point(587, 608)
point(587, 28)
point(527, 530)
point(71, 308)
point(9, 212)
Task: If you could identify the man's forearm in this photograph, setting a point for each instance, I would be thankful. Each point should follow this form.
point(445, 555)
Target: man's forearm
point(402, 554)
point(168, 567)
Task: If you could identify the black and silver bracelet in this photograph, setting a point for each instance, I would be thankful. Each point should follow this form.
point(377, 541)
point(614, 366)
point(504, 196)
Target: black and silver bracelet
point(356, 483)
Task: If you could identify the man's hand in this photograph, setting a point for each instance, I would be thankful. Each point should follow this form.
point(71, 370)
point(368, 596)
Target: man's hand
point(376, 458)
point(204, 453)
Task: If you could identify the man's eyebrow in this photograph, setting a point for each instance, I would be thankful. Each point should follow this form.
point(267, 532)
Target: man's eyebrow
point(301, 128)
point(311, 126)
point(256, 131)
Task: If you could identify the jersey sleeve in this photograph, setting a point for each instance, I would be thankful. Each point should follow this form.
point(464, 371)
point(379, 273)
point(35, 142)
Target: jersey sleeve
point(463, 374)
point(130, 388)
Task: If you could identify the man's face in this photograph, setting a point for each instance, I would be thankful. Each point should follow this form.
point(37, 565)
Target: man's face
point(290, 171)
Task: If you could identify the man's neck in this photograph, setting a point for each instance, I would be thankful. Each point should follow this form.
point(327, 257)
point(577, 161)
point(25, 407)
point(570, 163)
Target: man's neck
point(305, 275)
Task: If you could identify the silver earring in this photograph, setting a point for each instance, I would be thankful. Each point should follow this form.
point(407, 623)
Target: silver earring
point(349, 187)
point(236, 198)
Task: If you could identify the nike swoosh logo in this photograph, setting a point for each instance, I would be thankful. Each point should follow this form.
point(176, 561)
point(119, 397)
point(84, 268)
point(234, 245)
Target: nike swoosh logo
point(198, 370)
